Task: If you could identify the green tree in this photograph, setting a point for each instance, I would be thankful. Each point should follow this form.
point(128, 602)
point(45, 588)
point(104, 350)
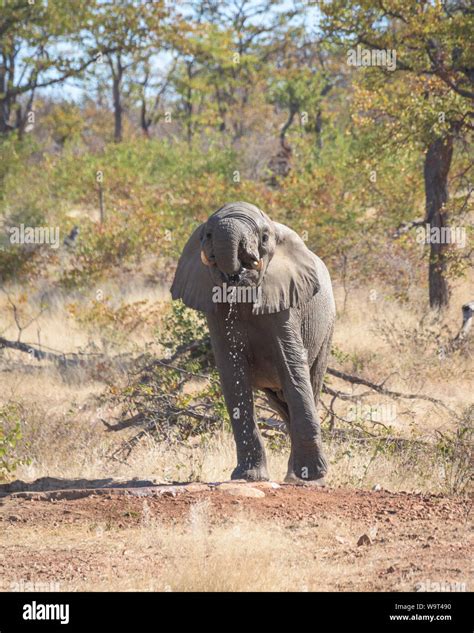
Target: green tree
point(426, 102)
point(124, 35)
point(38, 48)
point(224, 61)
point(302, 75)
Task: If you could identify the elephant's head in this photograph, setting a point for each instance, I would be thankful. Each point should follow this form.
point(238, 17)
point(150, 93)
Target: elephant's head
point(239, 245)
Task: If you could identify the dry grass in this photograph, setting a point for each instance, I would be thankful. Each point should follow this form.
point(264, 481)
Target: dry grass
point(206, 552)
point(46, 317)
point(65, 436)
point(199, 555)
point(83, 452)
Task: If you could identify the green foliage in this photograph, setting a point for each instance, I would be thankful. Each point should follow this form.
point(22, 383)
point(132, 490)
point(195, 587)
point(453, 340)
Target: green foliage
point(113, 324)
point(174, 400)
point(238, 74)
point(10, 439)
point(455, 449)
point(64, 122)
point(28, 208)
point(428, 95)
point(183, 326)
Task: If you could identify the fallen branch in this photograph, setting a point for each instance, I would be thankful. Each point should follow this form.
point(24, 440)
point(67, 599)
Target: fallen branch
point(407, 226)
point(205, 342)
point(345, 396)
point(135, 420)
point(164, 363)
point(379, 388)
point(70, 359)
point(33, 351)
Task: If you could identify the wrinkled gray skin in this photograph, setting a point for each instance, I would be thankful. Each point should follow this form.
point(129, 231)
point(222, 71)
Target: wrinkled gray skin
point(279, 344)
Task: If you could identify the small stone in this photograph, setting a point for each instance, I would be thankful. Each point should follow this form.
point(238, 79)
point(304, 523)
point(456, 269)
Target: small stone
point(373, 532)
point(377, 487)
point(244, 491)
point(364, 540)
point(340, 539)
point(268, 484)
point(196, 487)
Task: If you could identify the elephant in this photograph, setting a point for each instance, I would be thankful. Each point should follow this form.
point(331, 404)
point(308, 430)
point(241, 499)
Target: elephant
point(270, 310)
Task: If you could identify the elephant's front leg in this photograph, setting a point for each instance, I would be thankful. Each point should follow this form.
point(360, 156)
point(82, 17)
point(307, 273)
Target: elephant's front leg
point(307, 461)
point(236, 384)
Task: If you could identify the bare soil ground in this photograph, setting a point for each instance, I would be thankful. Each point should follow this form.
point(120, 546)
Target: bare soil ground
point(194, 536)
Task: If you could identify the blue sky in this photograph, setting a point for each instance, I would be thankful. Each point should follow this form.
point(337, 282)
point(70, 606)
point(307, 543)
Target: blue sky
point(74, 89)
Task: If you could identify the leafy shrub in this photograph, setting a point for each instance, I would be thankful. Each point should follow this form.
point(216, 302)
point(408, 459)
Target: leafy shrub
point(10, 439)
point(176, 398)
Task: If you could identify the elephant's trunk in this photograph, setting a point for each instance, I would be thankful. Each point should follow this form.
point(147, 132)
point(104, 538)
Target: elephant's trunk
point(228, 236)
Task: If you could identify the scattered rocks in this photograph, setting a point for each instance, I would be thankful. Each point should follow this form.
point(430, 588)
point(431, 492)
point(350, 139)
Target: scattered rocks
point(196, 487)
point(45, 484)
point(364, 540)
point(14, 517)
point(373, 532)
point(243, 491)
point(268, 484)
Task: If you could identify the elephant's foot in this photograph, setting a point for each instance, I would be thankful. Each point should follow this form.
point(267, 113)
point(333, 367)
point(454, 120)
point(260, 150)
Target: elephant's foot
point(308, 467)
point(291, 478)
point(257, 473)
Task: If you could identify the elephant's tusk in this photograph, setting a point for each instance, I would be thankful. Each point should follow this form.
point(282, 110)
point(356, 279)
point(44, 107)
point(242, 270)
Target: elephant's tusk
point(257, 265)
point(204, 259)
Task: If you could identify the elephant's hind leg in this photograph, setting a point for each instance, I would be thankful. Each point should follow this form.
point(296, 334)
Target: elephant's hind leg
point(279, 406)
point(318, 368)
point(317, 373)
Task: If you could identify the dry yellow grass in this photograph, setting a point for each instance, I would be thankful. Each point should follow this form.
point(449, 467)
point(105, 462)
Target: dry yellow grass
point(209, 551)
point(66, 437)
point(199, 555)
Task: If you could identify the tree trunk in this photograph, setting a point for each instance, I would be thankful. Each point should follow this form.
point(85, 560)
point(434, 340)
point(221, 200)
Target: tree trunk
point(145, 121)
point(293, 109)
point(4, 115)
point(189, 104)
point(189, 117)
point(436, 170)
point(117, 110)
point(318, 128)
point(117, 75)
point(5, 101)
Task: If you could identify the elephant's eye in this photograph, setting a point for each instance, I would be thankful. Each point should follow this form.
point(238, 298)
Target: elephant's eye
point(208, 235)
point(264, 238)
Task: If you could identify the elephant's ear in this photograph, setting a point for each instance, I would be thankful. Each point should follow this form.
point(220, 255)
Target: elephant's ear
point(192, 281)
point(291, 278)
